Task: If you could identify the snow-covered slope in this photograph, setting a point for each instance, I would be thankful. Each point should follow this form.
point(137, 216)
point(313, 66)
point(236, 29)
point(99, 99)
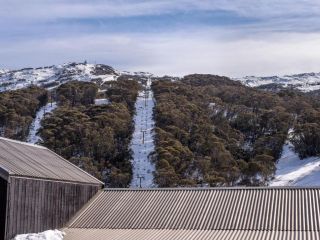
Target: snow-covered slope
point(142, 143)
point(305, 82)
point(293, 171)
point(53, 76)
point(2, 71)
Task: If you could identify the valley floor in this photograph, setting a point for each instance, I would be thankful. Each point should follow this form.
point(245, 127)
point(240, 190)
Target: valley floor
point(142, 143)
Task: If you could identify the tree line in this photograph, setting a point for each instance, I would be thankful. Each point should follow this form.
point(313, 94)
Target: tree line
point(18, 108)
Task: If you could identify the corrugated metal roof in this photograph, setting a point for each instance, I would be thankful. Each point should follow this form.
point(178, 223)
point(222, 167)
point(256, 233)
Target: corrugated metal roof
point(28, 160)
point(138, 234)
point(249, 209)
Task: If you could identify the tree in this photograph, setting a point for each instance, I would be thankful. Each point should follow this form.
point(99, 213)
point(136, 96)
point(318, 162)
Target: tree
point(306, 139)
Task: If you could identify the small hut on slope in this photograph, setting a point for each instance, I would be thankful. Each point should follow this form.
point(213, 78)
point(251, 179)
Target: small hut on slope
point(39, 189)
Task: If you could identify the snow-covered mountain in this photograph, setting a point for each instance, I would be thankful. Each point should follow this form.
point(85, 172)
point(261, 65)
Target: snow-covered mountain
point(305, 82)
point(2, 71)
point(53, 76)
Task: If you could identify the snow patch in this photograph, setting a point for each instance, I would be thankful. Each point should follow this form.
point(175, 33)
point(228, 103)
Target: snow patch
point(47, 235)
point(101, 101)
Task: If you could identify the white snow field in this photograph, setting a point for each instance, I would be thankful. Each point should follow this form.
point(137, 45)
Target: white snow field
point(36, 124)
point(292, 171)
point(53, 76)
point(47, 235)
point(305, 82)
point(142, 143)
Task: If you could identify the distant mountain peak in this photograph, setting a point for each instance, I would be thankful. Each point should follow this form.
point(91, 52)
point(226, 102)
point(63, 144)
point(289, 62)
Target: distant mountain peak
point(305, 82)
point(2, 71)
point(52, 76)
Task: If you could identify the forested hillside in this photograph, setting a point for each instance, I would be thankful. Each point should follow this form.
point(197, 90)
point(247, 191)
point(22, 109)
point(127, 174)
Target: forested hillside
point(209, 130)
point(214, 130)
point(94, 137)
point(17, 110)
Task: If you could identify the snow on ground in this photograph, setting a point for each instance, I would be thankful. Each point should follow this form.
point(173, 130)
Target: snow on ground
point(36, 124)
point(47, 235)
point(142, 143)
point(2, 71)
point(305, 82)
point(291, 171)
point(101, 101)
point(53, 76)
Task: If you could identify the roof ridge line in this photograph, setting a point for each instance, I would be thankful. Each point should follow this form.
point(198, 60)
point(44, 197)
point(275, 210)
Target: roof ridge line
point(23, 143)
point(68, 162)
point(212, 188)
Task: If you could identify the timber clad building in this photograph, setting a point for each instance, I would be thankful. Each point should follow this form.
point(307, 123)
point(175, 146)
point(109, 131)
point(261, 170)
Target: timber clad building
point(39, 189)
point(44, 191)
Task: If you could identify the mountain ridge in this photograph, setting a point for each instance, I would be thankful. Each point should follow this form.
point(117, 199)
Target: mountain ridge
point(305, 82)
point(54, 75)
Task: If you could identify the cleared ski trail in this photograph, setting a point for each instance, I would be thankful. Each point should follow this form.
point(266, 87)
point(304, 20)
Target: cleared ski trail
point(292, 171)
point(36, 124)
point(142, 143)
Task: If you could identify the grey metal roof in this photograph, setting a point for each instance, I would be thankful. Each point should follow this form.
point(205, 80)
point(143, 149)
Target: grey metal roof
point(21, 159)
point(157, 234)
point(248, 209)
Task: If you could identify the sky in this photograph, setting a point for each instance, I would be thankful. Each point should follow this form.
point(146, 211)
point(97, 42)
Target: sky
point(166, 37)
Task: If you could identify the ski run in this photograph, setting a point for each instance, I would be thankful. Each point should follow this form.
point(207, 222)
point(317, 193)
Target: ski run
point(36, 124)
point(142, 140)
point(293, 171)
point(49, 107)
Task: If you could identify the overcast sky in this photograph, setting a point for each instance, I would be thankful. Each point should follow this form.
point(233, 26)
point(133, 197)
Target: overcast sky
point(176, 37)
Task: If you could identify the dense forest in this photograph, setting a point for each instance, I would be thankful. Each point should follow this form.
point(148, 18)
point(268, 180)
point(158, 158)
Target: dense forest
point(216, 131)
point(94, 137)
point(18, 109)
point(209, 129)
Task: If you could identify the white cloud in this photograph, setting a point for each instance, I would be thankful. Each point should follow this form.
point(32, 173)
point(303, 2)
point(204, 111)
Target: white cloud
point(55, 9)
point(177, 53)
point(274, 44)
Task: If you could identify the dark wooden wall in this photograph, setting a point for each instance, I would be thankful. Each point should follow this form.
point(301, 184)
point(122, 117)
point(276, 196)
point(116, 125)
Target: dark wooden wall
point(38, 205)
point(3, 205)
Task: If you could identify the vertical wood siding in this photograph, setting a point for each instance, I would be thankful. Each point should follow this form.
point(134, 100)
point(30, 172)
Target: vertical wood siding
point(38, 205)
point(3, 206)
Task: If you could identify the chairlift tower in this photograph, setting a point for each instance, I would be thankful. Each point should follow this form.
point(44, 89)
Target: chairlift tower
point(140, 177)
point(143, 133)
